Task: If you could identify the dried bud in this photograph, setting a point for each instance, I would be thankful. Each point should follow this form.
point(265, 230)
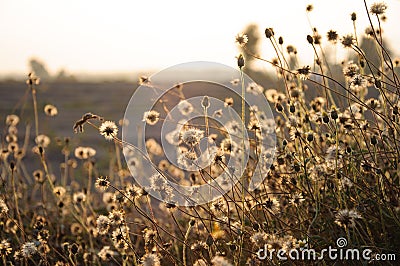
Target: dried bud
point(310, 39)
point(240, 61)
point(269, 32)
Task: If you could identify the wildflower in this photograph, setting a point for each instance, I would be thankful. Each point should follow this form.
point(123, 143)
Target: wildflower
point(84, 152)
point(254, 88)
point(332, 36)
point(76, 229)
point(297, 199)
point(133, 191)
point(378, 8)
point(228, 102)
point(173, 137)
point(233, 127)
point(109, 130)
point(228, 146)
point(358, 83)
point(304, 72)
point(3, 207)
point(241, 39)
point(272, 205)
point(103, 224)
point(274, 96)
point(149, 235)
point(38, 175)
point(117, 217)
point(220, 261)
point(5, 248)
point(151, 117)
point(185, 107)
point(153, 147)
point(235, 82)
point(350, 70)
point(372, 103)
point(102, 183)
point(309, 8)
point(150, 259)
point(12, 120)
point(59, 191)
point(317, 38)
point(120, 237)
point(50, 110)
point(106, 253)
point(79, 197)
point(347, 218)
point(28, 249)
point(218, 206)
point(254, 124)
point(42, 140)
point(13, 147)
point(192, 136)
point(259, 238)
point(158, 182)
point(348, 40)
point(32, 79)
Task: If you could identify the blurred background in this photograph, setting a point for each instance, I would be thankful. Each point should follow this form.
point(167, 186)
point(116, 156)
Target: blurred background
point(100, 40)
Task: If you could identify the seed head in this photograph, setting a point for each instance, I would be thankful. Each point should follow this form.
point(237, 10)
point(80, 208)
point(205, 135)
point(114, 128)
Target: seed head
point(109, 130)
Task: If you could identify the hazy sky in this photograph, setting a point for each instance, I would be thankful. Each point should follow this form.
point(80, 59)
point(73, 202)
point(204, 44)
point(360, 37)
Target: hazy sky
point(113, 36)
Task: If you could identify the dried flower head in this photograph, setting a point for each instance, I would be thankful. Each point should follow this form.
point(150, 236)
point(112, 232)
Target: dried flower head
point(79, 197)
point(220, 261)
point(151, 117)
point(103, 224)
point(192, 136)
point(348, 40)
point(109, 130)
point(3, 207)
point(378, 8)
point(102, 183)
point(185, 107)
point(5, 248)
point(50, 110)
point(12, 120)
point(42, 140)
point(241, 39)
point(350, 70)
point(254, 88)
point(347, 218)
point(105, 254)
point(332, 36)
point(150, 259)
point(28, 249)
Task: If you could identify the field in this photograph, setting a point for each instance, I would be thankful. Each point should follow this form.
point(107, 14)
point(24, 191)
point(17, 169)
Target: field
point(300, 168)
